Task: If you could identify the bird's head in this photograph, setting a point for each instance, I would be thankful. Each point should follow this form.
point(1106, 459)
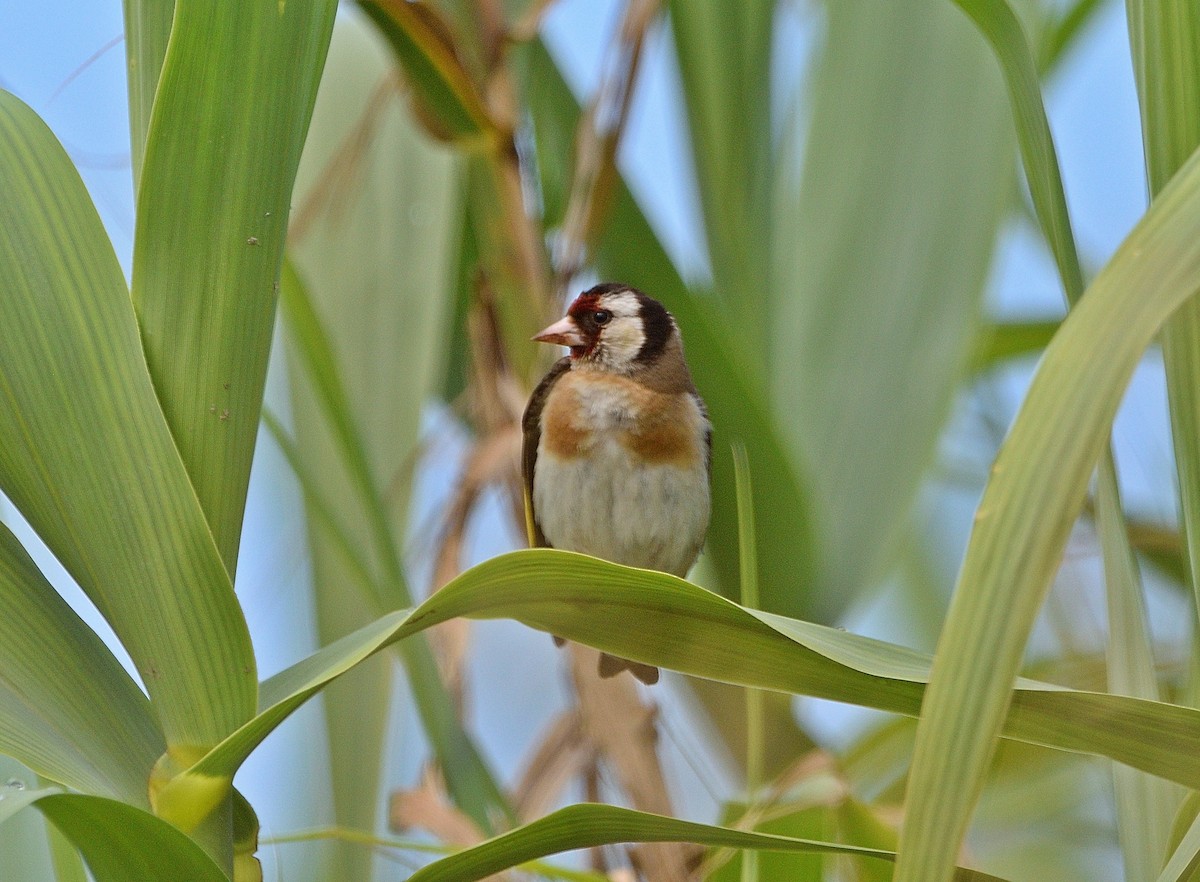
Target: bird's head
point(613, 327)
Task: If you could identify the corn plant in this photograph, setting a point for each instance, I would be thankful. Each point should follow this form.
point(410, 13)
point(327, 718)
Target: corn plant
point(415, 188)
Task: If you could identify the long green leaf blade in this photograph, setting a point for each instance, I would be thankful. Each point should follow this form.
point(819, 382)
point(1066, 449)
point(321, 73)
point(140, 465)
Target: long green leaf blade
point(147, 29)
point(1165, 43)
point(230, 115)
point(86, 455)
point(1145, 805)
point(69, 710)
point(888, 204)
point(1036, 490)
point(729, 119)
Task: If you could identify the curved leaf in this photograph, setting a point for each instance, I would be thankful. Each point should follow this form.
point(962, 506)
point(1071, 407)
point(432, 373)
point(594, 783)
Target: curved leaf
point(68, 710)
point(119, 842)
point(86, 455)
point(661, 620)
point(427, 54)
point(1036, 490)
point(591, 825)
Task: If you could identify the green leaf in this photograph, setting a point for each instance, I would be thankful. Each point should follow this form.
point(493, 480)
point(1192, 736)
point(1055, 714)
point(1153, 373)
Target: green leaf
point(658, 619)
point(888, 204)
point(1184, 862)
point(729, 118)
point(722, 363)
point(1165, 43)
point(1063, 33)
point(119, 842)
point(590, 825)
point(147, 29)
point(1002, 29)
point(426, 51)
point(1145, 805)
point(229, 120)
point(1037, 488)
point(86, 455)
point(804, 821)
point(68, 710)
point(1164, 37)
point(997, 342)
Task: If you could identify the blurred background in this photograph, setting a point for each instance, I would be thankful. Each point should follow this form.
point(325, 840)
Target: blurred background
point(828, 197)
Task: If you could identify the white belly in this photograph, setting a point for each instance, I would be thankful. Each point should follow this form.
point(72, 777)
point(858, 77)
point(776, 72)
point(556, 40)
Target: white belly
point(649, 516)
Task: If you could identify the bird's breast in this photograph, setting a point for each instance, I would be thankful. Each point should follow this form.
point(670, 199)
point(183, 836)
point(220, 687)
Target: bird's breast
point(622, 474)
point(656, 427)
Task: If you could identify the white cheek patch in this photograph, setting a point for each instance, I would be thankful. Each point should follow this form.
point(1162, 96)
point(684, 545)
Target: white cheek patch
point(623, 337)
point(623, 340)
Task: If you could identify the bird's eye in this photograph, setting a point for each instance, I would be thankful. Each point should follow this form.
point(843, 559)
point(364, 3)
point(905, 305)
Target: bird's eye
point(602, 316)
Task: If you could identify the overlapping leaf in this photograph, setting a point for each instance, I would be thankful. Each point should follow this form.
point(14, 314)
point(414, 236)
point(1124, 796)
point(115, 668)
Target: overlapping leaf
point(124, 519)
point(1037, 487)
point(68, 710)
point(662, 620)
point(119, 842)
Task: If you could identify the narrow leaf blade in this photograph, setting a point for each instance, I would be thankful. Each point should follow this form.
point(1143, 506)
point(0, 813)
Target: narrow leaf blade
point(230, 115)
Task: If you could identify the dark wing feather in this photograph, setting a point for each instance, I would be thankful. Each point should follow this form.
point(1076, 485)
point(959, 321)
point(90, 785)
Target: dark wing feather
point(531, 426)
point(707, 433)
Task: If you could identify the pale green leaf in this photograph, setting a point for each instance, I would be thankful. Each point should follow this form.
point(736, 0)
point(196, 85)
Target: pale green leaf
point(1165, 44)
point(724, 55)
point(1145, 805)
point(229, 120)
point(86, 455)
point(1184, 862)
point(888, 203)
point(659, 619)
point(1037, 488)
point(147, 29)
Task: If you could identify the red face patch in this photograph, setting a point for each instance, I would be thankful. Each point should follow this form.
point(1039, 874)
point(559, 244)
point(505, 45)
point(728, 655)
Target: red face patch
point(583, 304)
point(581, 311)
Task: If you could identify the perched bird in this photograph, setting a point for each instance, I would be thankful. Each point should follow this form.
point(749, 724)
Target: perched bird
point(618, 443)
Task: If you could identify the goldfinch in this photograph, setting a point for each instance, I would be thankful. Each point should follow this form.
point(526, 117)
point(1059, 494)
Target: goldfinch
point(617, 442)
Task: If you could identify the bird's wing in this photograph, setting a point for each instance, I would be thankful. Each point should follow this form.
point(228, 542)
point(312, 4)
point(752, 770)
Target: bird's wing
point(531, 425)
point(707, 433)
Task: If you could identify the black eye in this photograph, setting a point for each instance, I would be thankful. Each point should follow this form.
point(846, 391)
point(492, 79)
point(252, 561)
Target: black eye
point(602, 316)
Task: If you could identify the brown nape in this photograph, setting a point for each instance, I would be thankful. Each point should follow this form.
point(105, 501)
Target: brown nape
point(657, 325)
point(668, 372)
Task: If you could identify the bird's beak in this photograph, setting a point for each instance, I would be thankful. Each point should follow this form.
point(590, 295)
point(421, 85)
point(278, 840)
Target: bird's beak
point(563, 332)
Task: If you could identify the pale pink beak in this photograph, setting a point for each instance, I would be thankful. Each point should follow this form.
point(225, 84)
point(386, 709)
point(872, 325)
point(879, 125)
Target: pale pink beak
point(563, 332)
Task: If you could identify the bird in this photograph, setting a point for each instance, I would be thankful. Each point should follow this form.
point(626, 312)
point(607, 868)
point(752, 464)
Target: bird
point(617, 447)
